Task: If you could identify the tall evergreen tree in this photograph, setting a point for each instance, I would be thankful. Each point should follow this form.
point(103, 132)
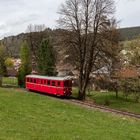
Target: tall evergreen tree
point(25, 67)
point(2, 62)
point(46, 59)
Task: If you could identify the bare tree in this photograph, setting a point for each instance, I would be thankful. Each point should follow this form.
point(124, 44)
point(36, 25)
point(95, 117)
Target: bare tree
point(91, 35)
point(35, 36)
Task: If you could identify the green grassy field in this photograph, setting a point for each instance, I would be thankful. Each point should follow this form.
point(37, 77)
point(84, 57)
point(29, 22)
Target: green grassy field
point(109, 99)
point(30, 116)
point(98, 97)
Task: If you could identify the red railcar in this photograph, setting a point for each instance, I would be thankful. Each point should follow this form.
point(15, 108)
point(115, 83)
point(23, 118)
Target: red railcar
point(61, 86)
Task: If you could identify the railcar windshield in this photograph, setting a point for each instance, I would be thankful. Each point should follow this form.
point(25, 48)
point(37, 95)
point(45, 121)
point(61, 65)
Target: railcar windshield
point(67, 83)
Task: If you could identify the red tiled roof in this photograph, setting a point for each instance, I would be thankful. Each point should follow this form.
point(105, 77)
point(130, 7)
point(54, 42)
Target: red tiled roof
point(129, 73)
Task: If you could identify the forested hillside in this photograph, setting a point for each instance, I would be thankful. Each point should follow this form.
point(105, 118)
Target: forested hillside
point(129, 33)
point(12, 43)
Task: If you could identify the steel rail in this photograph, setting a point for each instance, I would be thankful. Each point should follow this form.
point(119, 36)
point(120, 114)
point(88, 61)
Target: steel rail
point(106, 109)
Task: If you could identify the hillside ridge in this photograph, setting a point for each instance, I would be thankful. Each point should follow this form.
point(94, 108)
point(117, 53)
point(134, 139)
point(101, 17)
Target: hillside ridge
point(12, 43)
point(129, 33)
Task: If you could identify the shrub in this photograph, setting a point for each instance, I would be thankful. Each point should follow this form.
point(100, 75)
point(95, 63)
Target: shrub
point(131, 86)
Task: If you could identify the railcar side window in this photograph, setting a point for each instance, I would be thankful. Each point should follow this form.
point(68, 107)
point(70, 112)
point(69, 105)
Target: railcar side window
point(48, 82)
point(53, 83)
point(34, 80)
point(45, 82)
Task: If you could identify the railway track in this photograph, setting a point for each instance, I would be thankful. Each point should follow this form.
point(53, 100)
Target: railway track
point(105, 109)
point(93, 105)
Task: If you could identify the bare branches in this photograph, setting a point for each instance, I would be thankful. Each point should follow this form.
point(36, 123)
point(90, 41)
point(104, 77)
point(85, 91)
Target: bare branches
point(87, 20)
point(35, 35)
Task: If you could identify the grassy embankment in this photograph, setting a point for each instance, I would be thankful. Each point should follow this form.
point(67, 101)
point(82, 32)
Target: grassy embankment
point(100, 98)
point(30, 116)
point(109, 99)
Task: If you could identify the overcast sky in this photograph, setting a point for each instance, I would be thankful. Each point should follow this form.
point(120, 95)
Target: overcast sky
point(16, 15)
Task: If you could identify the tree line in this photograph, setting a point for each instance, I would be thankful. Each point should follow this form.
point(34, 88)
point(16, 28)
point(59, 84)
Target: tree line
point(39, 58)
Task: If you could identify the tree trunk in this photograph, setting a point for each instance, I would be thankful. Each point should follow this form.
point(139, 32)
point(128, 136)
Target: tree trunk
point(116, 93)
point(81, 95)
point(116, 89)
point(0, 81)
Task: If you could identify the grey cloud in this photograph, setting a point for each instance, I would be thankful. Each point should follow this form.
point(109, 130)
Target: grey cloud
point(2, 26)
point(22, 20)
point(16, 15)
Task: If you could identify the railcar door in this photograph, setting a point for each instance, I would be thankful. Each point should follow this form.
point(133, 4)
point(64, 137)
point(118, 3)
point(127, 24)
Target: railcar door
point(67, 87)
point(59, 88)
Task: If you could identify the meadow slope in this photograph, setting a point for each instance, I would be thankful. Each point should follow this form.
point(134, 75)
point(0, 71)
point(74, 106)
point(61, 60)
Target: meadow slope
point(31, 116)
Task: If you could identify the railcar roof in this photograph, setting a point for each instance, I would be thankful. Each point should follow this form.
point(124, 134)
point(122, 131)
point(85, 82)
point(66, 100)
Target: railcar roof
point(48, 77)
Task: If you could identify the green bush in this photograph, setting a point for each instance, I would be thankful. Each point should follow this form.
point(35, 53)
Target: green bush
point(131, 86)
